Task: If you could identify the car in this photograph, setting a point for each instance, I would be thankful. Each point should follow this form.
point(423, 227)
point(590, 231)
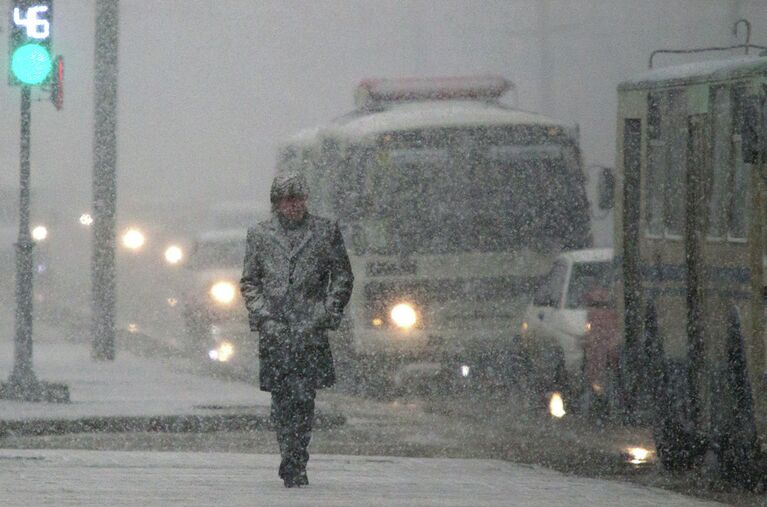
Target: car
point(214, 315)
point(570, 330)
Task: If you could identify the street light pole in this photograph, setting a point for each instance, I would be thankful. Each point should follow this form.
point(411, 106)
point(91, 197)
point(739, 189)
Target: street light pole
point(105, 181)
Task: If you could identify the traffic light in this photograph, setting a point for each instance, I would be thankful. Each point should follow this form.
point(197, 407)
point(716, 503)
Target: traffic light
point(31, 60)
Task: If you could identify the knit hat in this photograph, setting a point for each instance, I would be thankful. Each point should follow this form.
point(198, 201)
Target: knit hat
point(288, 185)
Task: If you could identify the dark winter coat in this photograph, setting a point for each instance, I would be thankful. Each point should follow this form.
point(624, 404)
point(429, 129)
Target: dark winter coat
point(294, 296)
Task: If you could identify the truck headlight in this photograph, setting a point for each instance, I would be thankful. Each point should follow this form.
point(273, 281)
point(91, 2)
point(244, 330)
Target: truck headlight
point(223, 292)
point(404, 315)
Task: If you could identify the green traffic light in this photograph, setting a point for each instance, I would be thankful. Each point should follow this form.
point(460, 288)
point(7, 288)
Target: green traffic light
point(31, 64)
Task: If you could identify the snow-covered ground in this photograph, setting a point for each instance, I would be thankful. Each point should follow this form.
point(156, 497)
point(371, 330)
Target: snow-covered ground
point(85, 478)
point(128, 386)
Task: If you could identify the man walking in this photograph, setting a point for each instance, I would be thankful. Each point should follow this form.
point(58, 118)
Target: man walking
point(296, 282)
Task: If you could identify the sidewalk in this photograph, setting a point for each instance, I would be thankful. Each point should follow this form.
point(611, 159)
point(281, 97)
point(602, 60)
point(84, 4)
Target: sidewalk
point(88, 478)
point(130, 393)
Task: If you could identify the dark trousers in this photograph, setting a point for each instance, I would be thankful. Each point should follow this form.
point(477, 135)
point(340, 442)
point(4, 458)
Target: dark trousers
point(292, 416)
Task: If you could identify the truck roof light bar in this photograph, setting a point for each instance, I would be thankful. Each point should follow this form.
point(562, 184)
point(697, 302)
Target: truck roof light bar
point(372, 93)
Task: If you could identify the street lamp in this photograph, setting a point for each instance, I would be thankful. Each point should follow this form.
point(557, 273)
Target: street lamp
point(86, 219)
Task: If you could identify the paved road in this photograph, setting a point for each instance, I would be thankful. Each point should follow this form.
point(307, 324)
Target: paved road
point(87, 478)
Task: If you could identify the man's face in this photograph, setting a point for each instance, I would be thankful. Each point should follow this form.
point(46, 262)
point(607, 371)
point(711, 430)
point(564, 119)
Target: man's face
point(292, 207)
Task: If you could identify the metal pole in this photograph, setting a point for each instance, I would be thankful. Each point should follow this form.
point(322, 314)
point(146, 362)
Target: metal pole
point(22, 379)
point(104, 180)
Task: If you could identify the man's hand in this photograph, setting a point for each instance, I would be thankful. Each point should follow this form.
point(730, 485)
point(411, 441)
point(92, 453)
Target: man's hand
point(315, 322)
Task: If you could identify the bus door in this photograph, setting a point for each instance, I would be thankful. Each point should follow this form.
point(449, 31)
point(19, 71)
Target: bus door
point(731, 254)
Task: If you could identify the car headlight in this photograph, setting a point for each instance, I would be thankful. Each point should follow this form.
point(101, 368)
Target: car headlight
point(133, 239)
point(404, 315)
point(223, 292)
point(40, 233)
point(222, 353)
point(174, 254)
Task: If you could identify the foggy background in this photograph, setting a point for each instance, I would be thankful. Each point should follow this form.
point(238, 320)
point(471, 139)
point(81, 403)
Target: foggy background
point(207, 89)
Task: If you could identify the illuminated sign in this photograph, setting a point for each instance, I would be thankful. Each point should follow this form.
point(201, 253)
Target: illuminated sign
point(34, 20)
point(30, 42)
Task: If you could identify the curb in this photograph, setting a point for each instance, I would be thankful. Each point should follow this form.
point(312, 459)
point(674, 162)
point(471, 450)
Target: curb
point(158, 424)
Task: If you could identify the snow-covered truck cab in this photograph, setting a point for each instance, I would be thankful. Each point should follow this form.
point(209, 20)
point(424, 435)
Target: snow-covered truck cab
point(453, 205)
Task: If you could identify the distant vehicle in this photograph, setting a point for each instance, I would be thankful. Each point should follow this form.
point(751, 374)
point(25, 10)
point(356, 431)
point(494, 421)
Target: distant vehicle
point(690, 230)
point(170, 258)
point(570, 327)
point(452, 205)
point(214, 314)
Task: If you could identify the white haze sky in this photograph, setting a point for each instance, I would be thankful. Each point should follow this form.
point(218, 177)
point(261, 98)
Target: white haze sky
point(208, 88)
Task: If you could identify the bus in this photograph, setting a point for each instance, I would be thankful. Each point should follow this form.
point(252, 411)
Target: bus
point(452, 204)
point(690, 241)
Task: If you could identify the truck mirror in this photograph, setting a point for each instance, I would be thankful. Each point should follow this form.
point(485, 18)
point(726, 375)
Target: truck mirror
point(606, 188)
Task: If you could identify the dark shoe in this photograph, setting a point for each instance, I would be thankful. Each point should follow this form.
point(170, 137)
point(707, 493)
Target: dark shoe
point(296, 481)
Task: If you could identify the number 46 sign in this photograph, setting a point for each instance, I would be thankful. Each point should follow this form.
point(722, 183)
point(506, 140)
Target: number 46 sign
point(34, 19)
point(30, 42)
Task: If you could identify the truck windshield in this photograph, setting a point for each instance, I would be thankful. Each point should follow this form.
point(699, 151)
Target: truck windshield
point(499, 198)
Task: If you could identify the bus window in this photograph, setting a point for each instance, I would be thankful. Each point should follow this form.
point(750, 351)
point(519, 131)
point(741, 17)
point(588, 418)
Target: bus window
point(656, 167)
point(739, 185)
point(719, 169)
point(674, 132)
point(653, 116)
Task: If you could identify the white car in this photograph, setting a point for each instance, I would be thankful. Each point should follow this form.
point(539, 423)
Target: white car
point(557, 321)
point(213, 311)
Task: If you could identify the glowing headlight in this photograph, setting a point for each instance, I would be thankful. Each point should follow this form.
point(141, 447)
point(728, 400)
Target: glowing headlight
point(557, 406)
point(223, 292)
point(403, 315)
point(173, 254)
point(223, 352)
point(133, 239)
point(39, 233)
point(639, 455)
point(86, 219)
